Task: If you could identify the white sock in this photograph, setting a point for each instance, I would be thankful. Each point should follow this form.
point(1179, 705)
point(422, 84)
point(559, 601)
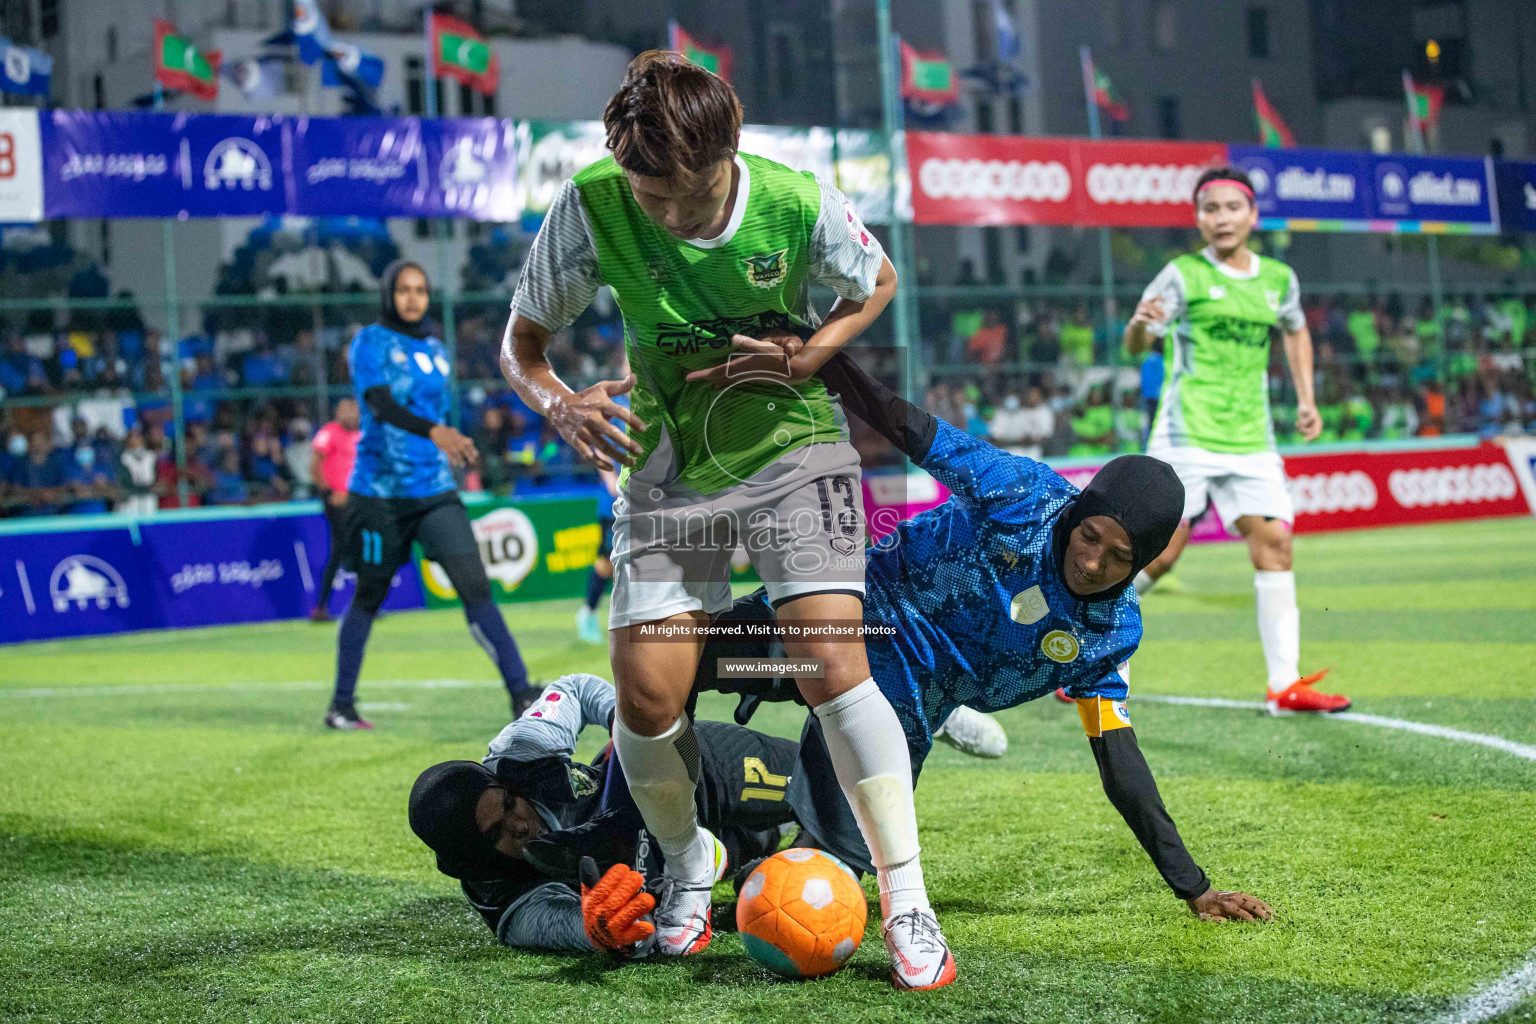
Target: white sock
point(663, 772)
point(1144, 582)
point(869, 754)
point(1279, 626)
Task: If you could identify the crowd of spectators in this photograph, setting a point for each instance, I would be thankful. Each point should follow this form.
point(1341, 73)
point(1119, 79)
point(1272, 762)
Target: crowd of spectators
point(1044, 377)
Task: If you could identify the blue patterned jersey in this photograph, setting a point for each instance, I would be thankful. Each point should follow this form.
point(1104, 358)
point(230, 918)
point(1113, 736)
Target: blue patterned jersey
point(981, 613)
point(394, 463)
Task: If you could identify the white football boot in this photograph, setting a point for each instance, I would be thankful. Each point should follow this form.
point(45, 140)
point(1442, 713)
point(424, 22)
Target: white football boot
point(920, 958)
point(682, 905)
point(974, 733)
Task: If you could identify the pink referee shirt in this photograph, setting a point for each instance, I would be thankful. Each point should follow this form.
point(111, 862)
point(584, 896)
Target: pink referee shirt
point(336, 449)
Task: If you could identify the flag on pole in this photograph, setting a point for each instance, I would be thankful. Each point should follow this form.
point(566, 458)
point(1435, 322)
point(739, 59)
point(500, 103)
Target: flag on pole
point(179, 64)
point(461, 53)
point(341, 63)
point(1102, 91)
point(1272, 128)
point(928, 77)
point(714, 59)
point(1008, 48)
point(257, 78)
point(1426, 101)
point(27, 71)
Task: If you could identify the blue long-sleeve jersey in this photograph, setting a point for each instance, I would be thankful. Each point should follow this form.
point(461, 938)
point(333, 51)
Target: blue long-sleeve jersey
point(981, 613)
point(395, 463)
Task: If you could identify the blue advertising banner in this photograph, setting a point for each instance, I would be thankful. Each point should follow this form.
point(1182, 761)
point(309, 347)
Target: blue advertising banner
point(471, 169)
point(343, 167)
point(1517, 195)
point(172, 573)
point(105, 164)
point(1444, 190)
point(1313, 184)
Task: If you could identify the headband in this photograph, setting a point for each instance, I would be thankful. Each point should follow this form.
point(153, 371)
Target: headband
point(1244, 189)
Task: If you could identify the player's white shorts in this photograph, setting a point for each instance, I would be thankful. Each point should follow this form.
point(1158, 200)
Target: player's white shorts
point(1240, 485)
point(800, 519)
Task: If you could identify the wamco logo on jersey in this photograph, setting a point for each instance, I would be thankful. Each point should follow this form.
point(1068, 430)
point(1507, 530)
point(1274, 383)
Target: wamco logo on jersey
point(1142, 183)
point(82, 580)
point(1034, 180)
point(237, 164)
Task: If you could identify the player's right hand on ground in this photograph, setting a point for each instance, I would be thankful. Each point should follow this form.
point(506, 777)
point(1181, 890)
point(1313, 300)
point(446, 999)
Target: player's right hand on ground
point(584, 419)
point(611, 907)
point(1218, 905)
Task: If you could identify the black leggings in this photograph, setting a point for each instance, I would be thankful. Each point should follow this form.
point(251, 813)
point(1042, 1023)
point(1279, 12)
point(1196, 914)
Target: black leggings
point(388, 526)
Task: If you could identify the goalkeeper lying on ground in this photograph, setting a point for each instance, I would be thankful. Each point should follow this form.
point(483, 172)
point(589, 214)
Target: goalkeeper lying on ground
point(512, 828)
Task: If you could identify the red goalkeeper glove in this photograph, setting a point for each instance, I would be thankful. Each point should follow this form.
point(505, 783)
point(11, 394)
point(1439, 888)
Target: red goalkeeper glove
point(611, 908)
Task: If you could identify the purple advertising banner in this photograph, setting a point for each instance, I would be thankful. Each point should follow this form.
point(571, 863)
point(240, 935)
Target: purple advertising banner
point(342, 167)
point(471, 169)
point(170, 573)
point(106, 164)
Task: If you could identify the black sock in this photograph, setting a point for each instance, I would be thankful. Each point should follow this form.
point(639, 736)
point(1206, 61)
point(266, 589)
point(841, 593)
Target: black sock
point(351, 639)
point(490, 631)
point(595, 586)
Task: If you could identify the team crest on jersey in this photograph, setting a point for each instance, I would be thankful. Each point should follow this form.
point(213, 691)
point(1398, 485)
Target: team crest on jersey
point(1060, 646)
point(397, 357)
point(1028, 607)
point(767, 271)
point(1218, 291)
point(1272, 298)
point(657, 272)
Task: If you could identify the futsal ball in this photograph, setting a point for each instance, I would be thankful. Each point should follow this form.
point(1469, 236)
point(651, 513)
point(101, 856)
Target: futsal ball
point(801, 913)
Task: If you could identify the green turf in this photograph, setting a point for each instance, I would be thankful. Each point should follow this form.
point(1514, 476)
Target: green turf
point(176, 848)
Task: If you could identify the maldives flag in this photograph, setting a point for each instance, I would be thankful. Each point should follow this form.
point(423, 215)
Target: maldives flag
point(928, 77)
point(181, 65)
point(461, 53)
point(1272, 130)
point(1427, 101)
point(714, 59)
point(1108, 97)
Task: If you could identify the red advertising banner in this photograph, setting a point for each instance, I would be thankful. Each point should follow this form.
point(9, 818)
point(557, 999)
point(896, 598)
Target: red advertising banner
point(1343, 490)
point(1010, 179)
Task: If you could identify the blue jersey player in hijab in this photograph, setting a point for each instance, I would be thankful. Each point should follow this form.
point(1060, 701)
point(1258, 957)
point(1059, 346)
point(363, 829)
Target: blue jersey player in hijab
point(402, 488)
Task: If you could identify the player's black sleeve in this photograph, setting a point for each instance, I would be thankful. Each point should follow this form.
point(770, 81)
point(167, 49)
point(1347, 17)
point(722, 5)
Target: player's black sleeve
point(906, 426)
point(1129, 785)
point(384, 406)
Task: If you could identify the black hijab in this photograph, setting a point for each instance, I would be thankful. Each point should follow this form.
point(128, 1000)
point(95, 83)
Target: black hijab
point(442, 812)
point(388, 315)
point(1140, 493)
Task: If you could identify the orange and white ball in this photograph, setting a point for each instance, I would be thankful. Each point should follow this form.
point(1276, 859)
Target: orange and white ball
point(801, 913)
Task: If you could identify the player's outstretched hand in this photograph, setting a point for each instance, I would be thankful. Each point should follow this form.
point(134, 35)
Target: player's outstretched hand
point(459, 449)
point(766, 357)
point(1218, 905)
point(611, 907)
point(585, 420)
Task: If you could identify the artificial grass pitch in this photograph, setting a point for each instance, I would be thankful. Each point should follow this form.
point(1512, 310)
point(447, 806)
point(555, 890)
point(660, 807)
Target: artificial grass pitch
point(180, 840)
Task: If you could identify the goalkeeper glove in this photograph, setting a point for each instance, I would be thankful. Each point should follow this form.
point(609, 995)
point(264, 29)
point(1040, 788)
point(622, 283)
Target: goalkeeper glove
point(611, 908)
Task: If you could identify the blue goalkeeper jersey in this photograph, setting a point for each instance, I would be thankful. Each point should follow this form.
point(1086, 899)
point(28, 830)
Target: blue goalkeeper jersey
point(394, 463)
point(981, 613)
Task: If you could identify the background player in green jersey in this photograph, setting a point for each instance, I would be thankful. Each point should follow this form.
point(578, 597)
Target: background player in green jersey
point(1218, 309)
point(732, 437)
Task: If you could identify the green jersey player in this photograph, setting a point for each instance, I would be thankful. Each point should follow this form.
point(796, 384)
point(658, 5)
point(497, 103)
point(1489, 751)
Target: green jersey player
point(732, 439)
point(1217, 309)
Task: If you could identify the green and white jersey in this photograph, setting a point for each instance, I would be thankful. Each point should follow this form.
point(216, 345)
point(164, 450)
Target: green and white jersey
point(682, 301)
point(1219, 323)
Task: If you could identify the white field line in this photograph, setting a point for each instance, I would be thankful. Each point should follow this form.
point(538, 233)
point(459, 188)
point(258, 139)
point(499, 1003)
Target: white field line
point(1524, 750)
point(304, 684)
point(1504, 993)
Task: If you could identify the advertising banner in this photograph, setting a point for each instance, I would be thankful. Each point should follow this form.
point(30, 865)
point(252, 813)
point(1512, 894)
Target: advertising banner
point(993, 179)
point(548, 153)
point(1442, 190)
point(21, 168)
point(469, 171)
point(170, 573)
point(113, 164)
point(1307, 184)
point(536, 551)
point(1517, 195)
point(344, 166)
